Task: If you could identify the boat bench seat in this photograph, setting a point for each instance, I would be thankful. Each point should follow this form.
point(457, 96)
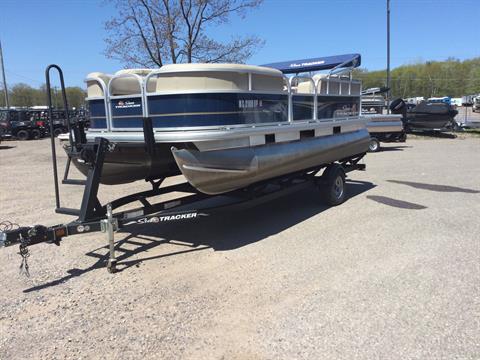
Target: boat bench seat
point(185, 81)
point(184, 77)
point(94, 88)
point(336, 86)
point(130, 85)
point(305, 87)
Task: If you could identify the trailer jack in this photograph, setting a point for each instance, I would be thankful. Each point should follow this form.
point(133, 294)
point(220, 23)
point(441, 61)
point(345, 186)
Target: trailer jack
point(109, 226)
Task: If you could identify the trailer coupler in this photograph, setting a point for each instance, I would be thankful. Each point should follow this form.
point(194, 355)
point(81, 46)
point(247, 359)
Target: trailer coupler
point(31, 235)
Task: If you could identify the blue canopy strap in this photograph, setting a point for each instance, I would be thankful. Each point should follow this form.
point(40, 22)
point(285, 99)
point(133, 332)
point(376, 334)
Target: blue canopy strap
point(315, 64)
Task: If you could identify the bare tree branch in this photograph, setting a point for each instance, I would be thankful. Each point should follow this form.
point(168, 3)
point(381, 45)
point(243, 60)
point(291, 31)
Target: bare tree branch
point(153, 32)
point(154, 29)
point(146, 43)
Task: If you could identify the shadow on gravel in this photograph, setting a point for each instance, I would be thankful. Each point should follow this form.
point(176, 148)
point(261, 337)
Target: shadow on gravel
point(434, 187)
point(235, 229)
point(396, 203)
point(221, 232)
point(6, 147)
point(435, 134)
point(395, 148)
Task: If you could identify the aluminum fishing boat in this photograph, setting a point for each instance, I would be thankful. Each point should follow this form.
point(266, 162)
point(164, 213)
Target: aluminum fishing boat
point(426, 116)
point(225, 126)
point(382, 126)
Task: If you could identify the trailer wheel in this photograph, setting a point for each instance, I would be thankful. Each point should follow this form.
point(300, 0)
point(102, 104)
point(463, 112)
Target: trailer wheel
point(332, 188)
point(36, 134)
point(374, 145)
point(57, 132)
point(23, 135)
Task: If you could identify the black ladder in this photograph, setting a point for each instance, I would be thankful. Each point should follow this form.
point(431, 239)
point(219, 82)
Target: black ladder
point(92, 153)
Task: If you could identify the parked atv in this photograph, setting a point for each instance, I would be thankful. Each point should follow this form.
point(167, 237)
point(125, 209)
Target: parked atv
point(20, 125)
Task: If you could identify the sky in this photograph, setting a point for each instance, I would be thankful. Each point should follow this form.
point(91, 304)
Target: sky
point(70, 33)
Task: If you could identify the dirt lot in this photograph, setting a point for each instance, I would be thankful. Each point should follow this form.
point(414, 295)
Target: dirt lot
point(394, 273)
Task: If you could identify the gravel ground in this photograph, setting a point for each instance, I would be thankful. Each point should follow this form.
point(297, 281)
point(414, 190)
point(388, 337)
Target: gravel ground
point(394, 273)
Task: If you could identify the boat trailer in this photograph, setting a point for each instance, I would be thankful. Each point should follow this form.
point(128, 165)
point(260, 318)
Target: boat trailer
point(95, 217)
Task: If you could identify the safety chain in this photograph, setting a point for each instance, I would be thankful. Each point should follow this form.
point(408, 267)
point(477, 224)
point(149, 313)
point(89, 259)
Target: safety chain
point(23, 250)
point(8, 225)
point(24, 253)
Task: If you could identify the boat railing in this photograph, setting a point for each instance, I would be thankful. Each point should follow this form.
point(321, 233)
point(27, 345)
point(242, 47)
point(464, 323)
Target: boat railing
point(338, 71)
point(135, 100)
point(288, 86)
point(311, 91)
point(136, 91)
point(103, 97)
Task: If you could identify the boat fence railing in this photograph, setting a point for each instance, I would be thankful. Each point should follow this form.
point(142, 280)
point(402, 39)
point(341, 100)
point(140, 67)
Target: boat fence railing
point(312, 91)
point(138, 78)
point(104, 88)
point(321, 86)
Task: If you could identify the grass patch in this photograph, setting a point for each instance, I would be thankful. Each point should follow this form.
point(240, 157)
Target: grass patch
point(471, 131)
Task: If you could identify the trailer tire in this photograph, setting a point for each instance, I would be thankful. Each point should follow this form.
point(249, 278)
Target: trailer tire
point(373, 145)
point(57, 132)
point(332, 188)
point(35, 134)
point(22, 135)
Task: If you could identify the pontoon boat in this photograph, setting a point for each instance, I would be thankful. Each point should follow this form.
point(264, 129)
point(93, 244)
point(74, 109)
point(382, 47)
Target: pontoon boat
point(225, 126)
point(246, 133)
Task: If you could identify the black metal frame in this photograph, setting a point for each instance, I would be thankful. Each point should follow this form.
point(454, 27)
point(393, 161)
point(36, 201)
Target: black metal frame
point(172, 210)
point(77, 143)
point(92, 154)
point(94, 217)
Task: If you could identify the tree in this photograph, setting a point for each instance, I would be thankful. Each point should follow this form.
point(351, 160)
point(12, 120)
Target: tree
point(22, 95)
point(75, 97)
point(434, 78)
point(473, 83)
point(151, 33)
point(2, 96)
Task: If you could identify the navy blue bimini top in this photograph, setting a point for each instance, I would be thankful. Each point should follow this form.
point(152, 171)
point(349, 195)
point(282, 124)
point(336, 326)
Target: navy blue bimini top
point(315, 64)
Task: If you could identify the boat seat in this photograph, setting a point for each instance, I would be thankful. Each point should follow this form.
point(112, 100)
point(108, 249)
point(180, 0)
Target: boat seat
point(152, 81)
point(178, 77)
point(217, 81)
point(323, 80)
point(267, 83)
point(125, 86)
point(93, 87)
point(141, 72)
point(202, 81)
point(305, 87)
point(337, 83)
